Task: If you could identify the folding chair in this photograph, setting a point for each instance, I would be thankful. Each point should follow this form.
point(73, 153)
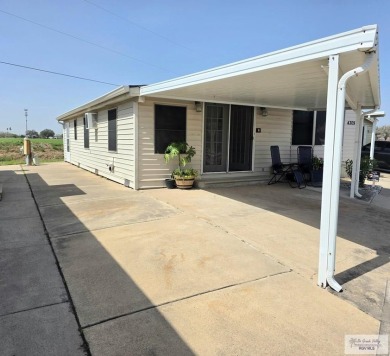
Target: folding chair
point(305, 160)
point(279, 169)
point(298, 179)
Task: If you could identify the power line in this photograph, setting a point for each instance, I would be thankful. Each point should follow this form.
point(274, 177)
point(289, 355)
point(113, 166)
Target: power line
point(136, 24)
point(86, 41)
point(57, 73)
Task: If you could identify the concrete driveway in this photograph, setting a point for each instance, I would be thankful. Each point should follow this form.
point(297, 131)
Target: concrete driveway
point(221, 271)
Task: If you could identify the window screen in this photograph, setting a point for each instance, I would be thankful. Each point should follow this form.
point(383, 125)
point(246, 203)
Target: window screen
point(75, 129)
point(302, 127)
point(112, 139)
point(86, 134)
point(320, 128)
point(169, 126)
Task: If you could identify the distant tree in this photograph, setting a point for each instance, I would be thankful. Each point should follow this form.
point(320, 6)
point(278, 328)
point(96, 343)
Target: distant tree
point(46, 133)
point(32, 133)
point(383, 132)
point(7, 134)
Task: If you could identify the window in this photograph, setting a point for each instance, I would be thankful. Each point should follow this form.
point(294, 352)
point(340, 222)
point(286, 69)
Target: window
point(112, 130)
point(302, 127)
point(304, 123)
point(320, 128)
point(75, 129)
point(169, 126)
point(86, 134)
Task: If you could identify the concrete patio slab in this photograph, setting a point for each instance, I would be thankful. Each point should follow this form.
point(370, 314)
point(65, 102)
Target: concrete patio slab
point(16, 195)
point(112, 211)
point(289, 232)
point(71, 193)
point(29, 279)
point(223, 271)
point(17, 233)
point(51, 330)
point(16, 209)
point(154, 263)
point(273, 316)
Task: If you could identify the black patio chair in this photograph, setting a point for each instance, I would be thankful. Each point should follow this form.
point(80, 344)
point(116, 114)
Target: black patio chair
point(305, 160)
point(298, 180)
point(279, 169)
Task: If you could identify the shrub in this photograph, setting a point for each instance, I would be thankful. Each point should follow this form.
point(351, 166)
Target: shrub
point(367, 165)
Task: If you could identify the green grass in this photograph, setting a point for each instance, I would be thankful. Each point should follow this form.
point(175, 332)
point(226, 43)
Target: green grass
point(5, 142)
point(47, 150)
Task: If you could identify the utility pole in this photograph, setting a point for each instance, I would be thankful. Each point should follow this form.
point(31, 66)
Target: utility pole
point(26, 114)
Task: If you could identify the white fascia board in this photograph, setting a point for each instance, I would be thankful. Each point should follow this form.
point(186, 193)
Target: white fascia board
point(132, 91)
point(360, 39)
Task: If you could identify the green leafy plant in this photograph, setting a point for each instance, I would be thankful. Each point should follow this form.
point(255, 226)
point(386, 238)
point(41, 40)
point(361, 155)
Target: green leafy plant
point(367, 165)
point(318, 163)
point(184, 153)
point(188, 172)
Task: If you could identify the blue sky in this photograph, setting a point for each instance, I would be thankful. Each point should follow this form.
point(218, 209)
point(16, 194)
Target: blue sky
point(143, 42)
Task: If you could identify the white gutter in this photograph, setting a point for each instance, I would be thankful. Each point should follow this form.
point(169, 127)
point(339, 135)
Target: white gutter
point(111, 97)
point(335, 191)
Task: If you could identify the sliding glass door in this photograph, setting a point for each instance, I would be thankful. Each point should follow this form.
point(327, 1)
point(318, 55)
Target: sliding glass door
point(228, 138)
point(241, 138)
point(216, 133)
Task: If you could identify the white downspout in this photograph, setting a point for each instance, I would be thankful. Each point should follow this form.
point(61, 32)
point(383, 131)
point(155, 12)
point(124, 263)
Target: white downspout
point(335, 191)
point(373, 139)
point(358, 157)
point(354, 191)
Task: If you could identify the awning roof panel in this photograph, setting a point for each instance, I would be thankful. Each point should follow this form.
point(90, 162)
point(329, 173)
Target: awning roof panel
point(291, 78)
point(294, 78)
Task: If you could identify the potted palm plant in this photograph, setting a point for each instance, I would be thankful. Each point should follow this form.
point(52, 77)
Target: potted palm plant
point(367, 165)
point(184, 177)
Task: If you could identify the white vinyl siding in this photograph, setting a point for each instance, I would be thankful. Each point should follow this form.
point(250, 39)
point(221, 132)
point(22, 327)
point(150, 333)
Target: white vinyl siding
point(349, 135)
point(97, 157)
point(276, 129)
point(152, 168)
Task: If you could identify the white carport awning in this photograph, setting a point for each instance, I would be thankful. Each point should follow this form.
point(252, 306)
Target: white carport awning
point(322, 74)
point(295, 77)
